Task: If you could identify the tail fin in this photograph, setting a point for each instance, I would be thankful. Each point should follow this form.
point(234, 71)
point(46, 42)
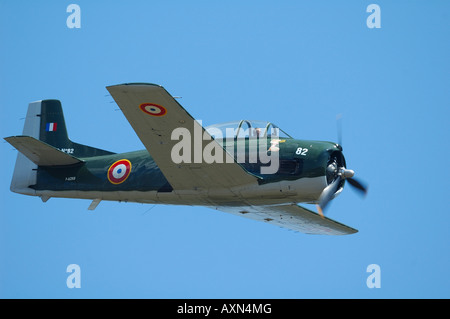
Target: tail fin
point(52, 127)
point(45, 122)
point(52, 130)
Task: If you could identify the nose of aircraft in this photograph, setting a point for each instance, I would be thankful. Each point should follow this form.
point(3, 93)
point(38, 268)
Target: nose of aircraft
point(337, 173)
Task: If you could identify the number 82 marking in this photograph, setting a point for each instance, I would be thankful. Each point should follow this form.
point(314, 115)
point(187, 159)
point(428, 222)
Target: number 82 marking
point(301, 151)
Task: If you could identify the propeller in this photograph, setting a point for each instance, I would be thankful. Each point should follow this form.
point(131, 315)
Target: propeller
point(327, 195)
point(357, 185)
point(340, 174)
point(336, 174)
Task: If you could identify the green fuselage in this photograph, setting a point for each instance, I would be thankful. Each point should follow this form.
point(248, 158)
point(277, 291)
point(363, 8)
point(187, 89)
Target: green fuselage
point(298, 159)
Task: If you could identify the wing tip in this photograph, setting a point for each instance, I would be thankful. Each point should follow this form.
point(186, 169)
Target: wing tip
point(351, 231)
point(134, 84)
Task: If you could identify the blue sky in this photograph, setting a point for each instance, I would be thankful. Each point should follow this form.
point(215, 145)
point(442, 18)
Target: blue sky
point(295, 63)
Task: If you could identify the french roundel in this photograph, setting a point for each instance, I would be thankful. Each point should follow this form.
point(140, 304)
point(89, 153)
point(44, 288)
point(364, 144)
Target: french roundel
point(119, 171)
point(153, 109)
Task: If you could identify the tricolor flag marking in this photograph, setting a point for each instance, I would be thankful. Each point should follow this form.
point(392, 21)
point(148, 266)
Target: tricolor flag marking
point(50, 127)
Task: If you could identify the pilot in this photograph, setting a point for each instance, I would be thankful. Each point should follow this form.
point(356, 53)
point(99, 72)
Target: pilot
point(257, 131)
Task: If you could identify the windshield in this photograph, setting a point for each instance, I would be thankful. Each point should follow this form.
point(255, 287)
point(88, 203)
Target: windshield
point(246, 129)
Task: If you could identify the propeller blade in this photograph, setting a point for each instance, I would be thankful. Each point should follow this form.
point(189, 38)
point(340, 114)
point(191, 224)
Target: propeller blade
point(357, 185)
point(319, 210)
point(327, 194)
point(339, 128)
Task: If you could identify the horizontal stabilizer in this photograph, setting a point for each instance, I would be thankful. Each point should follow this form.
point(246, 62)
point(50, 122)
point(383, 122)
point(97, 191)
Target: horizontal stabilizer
point(41, 153)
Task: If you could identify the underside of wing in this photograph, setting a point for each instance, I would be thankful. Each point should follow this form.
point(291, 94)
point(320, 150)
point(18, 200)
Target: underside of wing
point(161, 123)
point(292, 217)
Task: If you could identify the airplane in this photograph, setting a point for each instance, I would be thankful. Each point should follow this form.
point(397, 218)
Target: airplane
point(247, 168)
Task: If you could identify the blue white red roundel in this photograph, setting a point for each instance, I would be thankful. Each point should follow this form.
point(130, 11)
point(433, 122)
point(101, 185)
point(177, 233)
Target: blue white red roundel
point(153, 109)
point(119, 171)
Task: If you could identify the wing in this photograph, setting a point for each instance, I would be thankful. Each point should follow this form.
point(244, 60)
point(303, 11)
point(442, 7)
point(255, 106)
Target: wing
point(292, 217)
point(155, 115)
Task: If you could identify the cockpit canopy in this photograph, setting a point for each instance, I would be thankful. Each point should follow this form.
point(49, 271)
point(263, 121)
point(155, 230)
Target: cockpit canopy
point(246, 129)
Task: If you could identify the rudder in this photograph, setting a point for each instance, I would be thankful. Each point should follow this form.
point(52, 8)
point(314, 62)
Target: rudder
point(25, 171)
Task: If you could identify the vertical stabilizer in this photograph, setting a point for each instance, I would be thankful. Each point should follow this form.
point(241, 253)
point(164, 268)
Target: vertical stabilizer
point(53, 131)
point(52, 125)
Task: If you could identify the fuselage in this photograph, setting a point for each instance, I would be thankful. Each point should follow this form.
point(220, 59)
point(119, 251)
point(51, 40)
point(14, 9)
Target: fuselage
point(301, 177)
